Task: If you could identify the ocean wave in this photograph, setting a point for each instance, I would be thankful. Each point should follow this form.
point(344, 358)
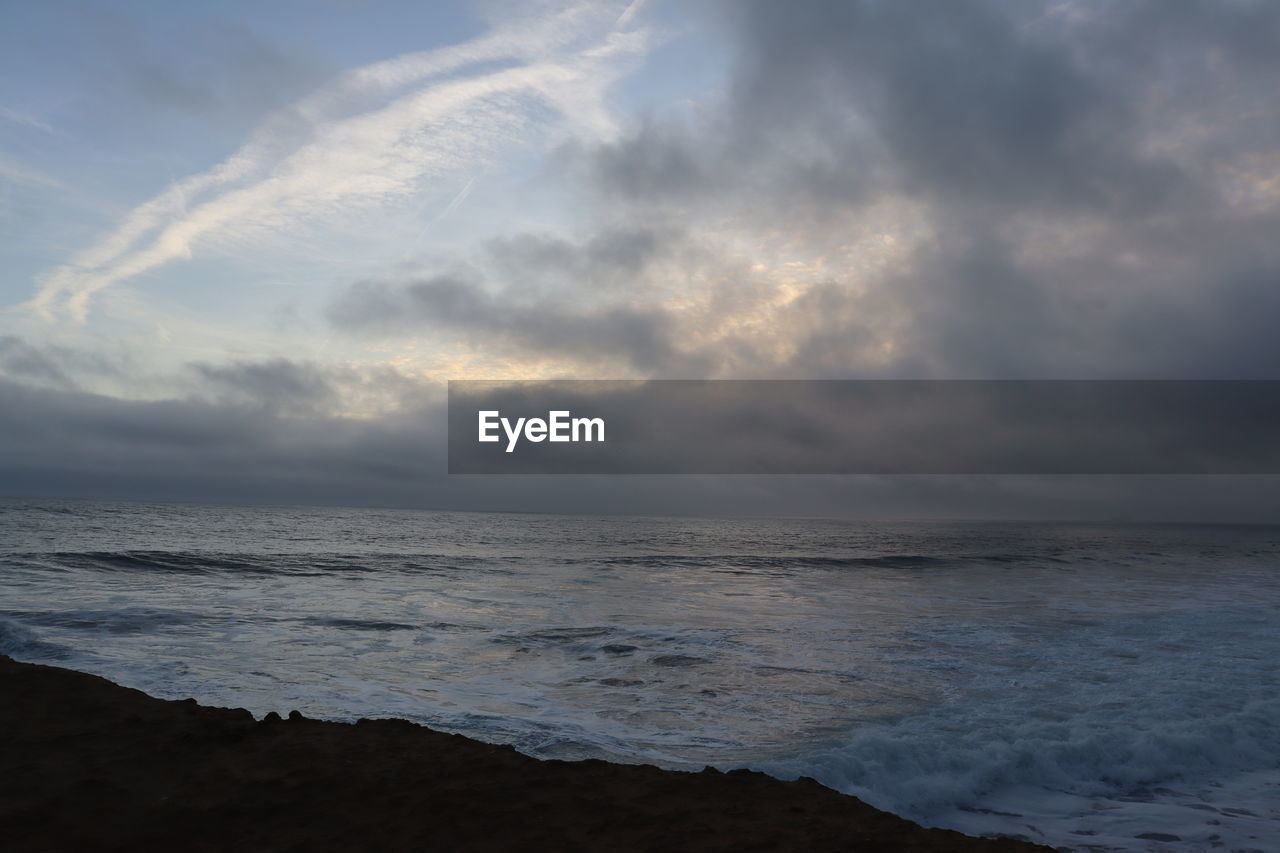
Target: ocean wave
point(19, 641)
point(730, 562)
point(176, 562)
point(203, 563)
point(129, 620)
point(358, 624)
point(935, 763)
point(317, 564)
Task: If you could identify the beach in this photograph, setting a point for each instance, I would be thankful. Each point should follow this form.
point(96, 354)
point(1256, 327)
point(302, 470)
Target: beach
point(88, 765)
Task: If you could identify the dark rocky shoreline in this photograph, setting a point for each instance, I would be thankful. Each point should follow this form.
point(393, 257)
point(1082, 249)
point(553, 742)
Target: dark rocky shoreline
point(87, 765)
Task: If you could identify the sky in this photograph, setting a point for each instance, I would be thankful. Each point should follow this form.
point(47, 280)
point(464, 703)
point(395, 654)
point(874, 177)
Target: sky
point(245, 245)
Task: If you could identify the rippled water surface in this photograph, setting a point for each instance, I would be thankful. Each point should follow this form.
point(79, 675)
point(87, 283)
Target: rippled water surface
point(1093, 687)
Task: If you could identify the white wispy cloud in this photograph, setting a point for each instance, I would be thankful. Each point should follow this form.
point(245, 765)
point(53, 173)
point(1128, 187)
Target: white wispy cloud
point(24, 119)
point(20, 173)
point(449, 208)
point(372, 136)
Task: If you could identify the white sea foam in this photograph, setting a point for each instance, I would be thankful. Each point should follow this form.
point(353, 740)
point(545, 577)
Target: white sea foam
point(15, 639)
point(21, 642)
point(1091, 779)
point(1094, 688)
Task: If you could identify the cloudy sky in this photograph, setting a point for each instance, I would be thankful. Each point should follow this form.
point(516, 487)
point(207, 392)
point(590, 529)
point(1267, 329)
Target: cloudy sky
point(245, 244)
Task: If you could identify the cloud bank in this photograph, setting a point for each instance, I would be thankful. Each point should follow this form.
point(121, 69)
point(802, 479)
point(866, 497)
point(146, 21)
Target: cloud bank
point(940, 189)
point(974, 189)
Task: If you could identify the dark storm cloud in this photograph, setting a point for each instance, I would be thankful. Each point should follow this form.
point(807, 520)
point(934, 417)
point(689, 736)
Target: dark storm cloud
point(292, 389)
point(967, 100)
point(657, 162)
point(642, 336)
point(23, 361)
point(59, 444)
point(57, 366)
point(87, 443)
point(988, 115)
point(277, 386)
point(1078, 169)
point(609, 257)
point(277, 383)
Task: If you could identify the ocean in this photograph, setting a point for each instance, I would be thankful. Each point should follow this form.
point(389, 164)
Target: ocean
point(1092, 687)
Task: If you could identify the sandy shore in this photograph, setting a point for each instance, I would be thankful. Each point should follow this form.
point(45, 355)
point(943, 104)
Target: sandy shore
point(88, 765)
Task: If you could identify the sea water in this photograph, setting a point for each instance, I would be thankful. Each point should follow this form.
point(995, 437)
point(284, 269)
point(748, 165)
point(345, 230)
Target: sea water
point(1104, 687)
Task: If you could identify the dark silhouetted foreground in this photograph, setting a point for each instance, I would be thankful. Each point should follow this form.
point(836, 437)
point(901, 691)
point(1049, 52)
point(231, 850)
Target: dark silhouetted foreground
point(88, 765)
